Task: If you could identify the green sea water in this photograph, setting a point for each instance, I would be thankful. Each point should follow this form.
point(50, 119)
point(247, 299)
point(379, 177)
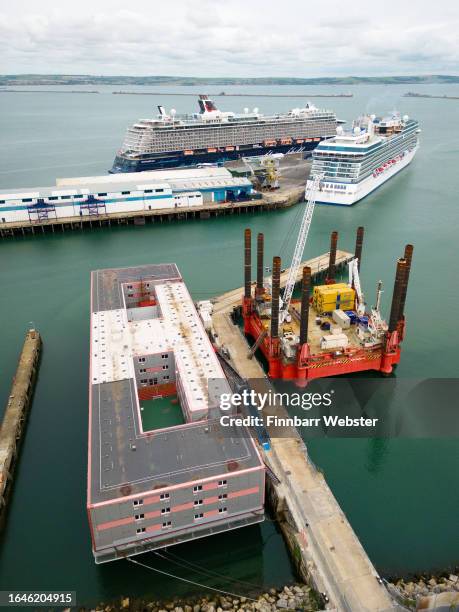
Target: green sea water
point(401, 496)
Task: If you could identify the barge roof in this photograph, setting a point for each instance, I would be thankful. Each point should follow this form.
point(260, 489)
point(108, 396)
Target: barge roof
point(123, 459)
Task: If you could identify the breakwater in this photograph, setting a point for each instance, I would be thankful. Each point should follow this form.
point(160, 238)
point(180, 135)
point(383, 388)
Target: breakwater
point(14, 418)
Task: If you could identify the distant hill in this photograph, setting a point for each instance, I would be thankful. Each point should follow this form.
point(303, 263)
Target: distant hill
point(85, 79)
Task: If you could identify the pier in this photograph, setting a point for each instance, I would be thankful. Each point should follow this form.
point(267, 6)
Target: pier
point(323, 545)
point(14, 418)
point(270, 201)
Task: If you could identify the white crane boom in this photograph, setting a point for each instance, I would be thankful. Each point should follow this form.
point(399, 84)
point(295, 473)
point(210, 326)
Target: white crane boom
point(300, 244)
point(354, 280)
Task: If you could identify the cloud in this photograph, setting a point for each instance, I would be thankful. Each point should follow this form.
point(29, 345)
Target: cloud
point(234, 38)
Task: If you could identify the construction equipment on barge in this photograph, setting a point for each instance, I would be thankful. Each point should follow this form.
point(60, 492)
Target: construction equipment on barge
point(331, 332)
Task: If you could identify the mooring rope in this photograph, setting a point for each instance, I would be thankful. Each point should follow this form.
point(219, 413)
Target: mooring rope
point(202, 586)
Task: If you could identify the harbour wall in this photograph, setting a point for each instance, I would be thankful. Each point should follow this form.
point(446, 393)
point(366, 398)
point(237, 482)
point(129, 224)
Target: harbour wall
point(15, 416)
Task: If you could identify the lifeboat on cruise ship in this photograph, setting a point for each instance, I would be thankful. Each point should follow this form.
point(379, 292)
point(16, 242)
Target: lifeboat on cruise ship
point(211, 150)
point(285, 141)
point(188, 152)
point(269, 143)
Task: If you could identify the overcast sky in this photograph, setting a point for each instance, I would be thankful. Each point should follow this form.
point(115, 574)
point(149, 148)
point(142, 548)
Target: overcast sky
point(230, 37)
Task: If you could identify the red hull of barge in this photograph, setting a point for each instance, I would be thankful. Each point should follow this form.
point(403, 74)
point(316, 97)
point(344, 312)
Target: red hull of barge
point(308, 367)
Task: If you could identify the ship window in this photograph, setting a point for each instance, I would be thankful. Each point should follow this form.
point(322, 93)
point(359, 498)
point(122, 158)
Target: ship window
point(27, 200)
point(65, 197)
point(222, 483)
point(221, 510)
point(140, 530)
point(165, 377)
point(142, 370)
point(197, 488)
point(78, 195)
point(198, 502)
point(101, 194)
point(167, 524)
point(164, 356)
point(53, 198)
point(164, 496)
point(222, 496)
point(165, 367)
point(141, 359)
point(165, 510)
point(144, 381)
point(2, 201)
point(139, 517)
point(125, 192)
point(137, 502)
point(198, 516)
point(159, 190)
point(148, 191)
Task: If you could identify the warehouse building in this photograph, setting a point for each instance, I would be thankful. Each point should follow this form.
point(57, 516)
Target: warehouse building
point(116, 193)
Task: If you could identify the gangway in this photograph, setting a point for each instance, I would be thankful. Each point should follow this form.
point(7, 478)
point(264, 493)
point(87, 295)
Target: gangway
point(93, 206)
point(256, 345)
point(39, 212)
point(238, 385)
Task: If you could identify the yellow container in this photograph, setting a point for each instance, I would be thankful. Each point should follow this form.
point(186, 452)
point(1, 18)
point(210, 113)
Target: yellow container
point(330, 297)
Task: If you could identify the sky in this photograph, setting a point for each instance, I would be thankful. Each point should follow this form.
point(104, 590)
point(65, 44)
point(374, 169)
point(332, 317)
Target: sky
point(238, 38)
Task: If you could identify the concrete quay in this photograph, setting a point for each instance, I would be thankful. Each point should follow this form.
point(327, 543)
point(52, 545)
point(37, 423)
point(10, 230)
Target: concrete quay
point(323, 545)
point(14, 418)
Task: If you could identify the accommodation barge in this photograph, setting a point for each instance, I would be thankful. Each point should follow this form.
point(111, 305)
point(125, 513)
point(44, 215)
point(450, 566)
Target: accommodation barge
point(153, 484)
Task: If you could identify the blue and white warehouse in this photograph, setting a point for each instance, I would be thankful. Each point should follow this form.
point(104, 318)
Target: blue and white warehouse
point(121, 193)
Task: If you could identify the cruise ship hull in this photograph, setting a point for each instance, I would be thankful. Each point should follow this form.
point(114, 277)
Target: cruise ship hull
point(355, 192)
point(124, 163)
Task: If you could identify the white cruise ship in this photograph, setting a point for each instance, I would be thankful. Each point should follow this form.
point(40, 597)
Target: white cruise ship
point(354, 163)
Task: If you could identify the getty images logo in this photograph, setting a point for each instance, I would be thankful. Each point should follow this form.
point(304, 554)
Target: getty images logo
point(251, 398)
